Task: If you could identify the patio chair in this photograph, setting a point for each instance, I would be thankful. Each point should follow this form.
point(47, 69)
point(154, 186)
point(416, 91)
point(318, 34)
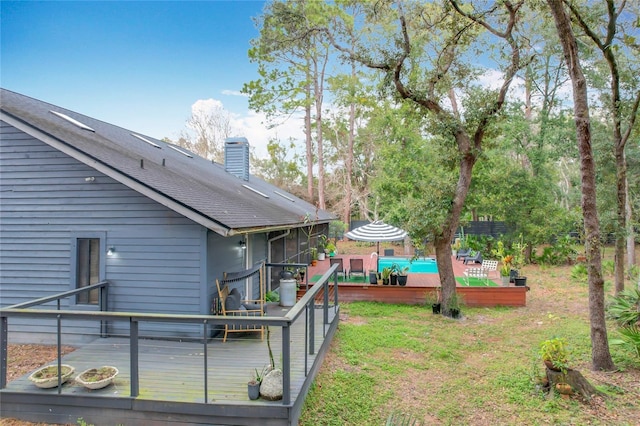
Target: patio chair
point(230, 303)
point(338, 261)
point(475, 272)
point(491, 266)
point(462, 253)
point(356, 266)
point(389, 252)
point(473, 258)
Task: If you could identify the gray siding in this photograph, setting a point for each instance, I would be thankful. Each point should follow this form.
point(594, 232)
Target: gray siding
point(46, 201)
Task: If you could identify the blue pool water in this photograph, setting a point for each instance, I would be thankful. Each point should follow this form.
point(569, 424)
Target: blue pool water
point(418, 266)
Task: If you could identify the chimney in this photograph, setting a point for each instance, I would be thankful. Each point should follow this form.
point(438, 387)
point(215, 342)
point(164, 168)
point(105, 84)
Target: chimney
point(236, 157)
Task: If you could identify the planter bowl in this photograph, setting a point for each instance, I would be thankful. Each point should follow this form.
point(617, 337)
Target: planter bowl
point(47, 377)
point(97, 378)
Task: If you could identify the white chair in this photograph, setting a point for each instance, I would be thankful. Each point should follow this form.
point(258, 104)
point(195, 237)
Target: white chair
point(479, 273)
point(491, 266)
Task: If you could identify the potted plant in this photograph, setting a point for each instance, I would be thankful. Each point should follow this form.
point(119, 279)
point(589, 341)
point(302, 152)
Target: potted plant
point(432, 298)
point(322, 247)
point(403, 275)
point(330, 248)
point(373, 277)
point(454, 303)
point(506, 262)
point(314, 256)
point(47, 377)
point(518, 262)
point(554, 354)
point(455, 247)
point(394, 274)
point(253, 385)
point(385, 274)
point(97, 378)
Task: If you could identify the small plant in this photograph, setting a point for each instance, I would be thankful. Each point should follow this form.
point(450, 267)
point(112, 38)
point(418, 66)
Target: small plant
point(625, 307)
point(98, 374)
point(386, 273)
point(431, 298)
point(330, 247)
point(272, 296)
point(625, 310)
point(555, 354)
point(579, 272)
point(403, 271)
point(629, 339)
point(258, 376)
point(455, 302)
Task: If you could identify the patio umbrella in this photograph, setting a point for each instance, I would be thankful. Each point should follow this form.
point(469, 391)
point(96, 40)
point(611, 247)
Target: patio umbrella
point(375, 232)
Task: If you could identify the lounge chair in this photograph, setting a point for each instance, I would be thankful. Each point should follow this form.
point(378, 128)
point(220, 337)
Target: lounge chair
point(232, 305)
point(356, 266)
point(462, 253)
point(473, 258)
point(338, 261)
point(229, 301)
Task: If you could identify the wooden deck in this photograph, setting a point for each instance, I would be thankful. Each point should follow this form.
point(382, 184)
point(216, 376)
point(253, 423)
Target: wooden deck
point(171, 380)
point(419, 284)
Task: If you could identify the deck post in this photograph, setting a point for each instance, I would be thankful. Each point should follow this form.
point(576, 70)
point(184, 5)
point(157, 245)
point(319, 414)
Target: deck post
point(206, 368)
point(286, 364)
point(325, 302)
point(312, 329)
point(103, 298)
point(133, 357)
point(59, 321)
point(4, 343)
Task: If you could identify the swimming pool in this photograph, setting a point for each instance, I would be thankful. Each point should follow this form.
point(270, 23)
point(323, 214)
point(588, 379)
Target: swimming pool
point(418, 266)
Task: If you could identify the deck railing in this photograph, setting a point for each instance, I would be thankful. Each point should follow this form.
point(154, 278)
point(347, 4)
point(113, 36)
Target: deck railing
point(306, 305)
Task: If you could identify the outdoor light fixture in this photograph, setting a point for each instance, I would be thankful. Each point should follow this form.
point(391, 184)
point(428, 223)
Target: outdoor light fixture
point(243, 244)
point(111, 251)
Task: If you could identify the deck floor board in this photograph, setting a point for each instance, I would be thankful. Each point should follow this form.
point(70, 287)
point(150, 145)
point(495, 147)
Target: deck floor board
point(173, 370)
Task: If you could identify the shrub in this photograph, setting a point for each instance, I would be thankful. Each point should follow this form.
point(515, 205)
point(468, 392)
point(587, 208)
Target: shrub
point(625, 310)
point(560, 253)
point(555, 352)
point(625, 307)
point(579, 272)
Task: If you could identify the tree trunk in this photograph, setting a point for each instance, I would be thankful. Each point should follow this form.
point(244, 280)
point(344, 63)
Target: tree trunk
point(631, 243)
point(577, 381)
point(346, 216)
point(443, 242)
point(309, 145)
point(600, 355)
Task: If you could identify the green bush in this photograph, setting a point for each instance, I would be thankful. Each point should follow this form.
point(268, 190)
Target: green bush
point(625, 307)
point(629, 339)
point(579, 272)
point(625, 310)
point(560, 253)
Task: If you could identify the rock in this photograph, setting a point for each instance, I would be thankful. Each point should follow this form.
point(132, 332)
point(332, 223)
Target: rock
point(271, 387)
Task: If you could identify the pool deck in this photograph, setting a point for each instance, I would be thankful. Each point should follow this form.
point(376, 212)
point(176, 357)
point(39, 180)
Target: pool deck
point(419, 284)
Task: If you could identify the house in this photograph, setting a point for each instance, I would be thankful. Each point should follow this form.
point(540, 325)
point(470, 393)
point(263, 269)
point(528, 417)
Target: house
point(83, 201)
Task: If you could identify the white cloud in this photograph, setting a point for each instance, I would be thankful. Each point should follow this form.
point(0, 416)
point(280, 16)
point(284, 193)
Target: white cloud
point(234, 93)
point(251, 126)
point(205, 106)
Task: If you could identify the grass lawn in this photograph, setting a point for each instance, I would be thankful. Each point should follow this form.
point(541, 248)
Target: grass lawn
point(480, 370)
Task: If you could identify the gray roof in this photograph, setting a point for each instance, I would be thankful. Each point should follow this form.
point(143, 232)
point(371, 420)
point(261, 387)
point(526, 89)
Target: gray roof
point(193, 186)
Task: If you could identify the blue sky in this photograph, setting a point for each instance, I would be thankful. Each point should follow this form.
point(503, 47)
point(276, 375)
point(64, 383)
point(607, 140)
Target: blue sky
point(140, 65)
